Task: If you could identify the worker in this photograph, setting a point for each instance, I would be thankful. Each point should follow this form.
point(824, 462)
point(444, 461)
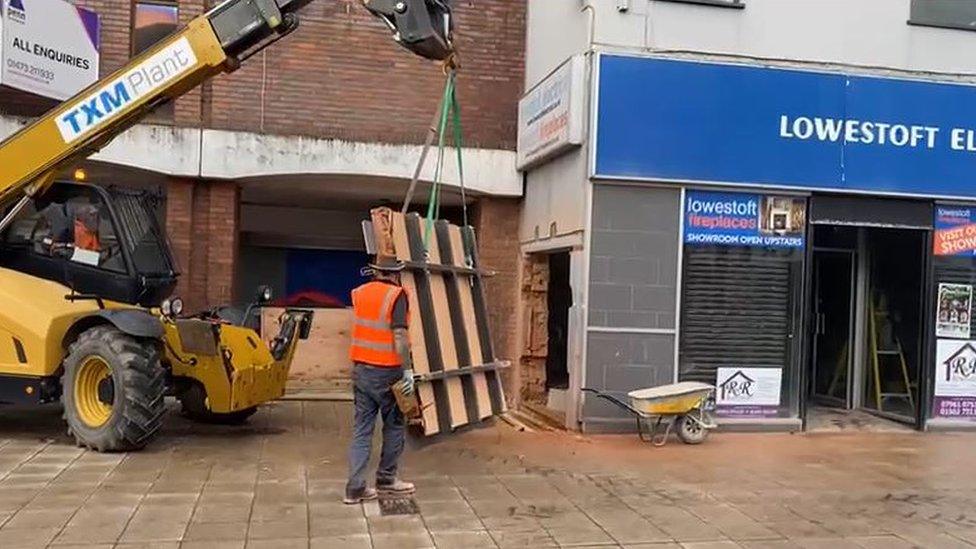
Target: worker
point(86, 228)
point(380, 352)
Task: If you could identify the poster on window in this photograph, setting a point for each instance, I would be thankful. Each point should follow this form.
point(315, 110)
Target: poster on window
point(955, 379)
point(954, 311)
point(742, 219)
point(955, 231)
point(748, 392)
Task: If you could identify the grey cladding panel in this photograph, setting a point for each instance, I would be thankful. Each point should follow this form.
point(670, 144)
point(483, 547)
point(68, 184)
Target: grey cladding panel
point(620, 363)
point(634, 257)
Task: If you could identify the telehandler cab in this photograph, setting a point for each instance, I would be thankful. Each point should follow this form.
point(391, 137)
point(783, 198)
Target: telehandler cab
point(86, 272)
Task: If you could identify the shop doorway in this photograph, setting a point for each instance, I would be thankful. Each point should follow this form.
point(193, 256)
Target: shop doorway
point(547, 298)
point(560, 299)
point(834, 277)
point(866, 325)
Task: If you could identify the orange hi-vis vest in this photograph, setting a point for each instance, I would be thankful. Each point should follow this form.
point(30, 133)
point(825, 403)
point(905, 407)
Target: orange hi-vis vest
point(372, 333)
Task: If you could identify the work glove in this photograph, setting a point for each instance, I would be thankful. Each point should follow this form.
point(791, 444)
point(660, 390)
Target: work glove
point(407, 382)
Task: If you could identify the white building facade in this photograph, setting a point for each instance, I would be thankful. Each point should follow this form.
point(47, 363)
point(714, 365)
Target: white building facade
point(770, 196)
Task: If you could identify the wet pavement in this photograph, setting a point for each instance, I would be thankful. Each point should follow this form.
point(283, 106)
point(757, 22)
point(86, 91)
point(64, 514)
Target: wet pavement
point(276, 483)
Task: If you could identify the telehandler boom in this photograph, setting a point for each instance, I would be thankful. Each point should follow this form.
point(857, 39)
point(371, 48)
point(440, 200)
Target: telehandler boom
point(85, 271)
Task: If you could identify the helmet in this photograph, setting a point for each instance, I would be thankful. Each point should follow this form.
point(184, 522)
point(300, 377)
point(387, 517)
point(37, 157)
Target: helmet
point(387, 264)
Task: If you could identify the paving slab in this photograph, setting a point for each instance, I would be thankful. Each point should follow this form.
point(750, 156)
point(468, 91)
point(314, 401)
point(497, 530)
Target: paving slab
point(278, 482)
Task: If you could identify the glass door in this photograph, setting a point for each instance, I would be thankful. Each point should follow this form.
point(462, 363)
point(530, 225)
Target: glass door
point(894, 323)
point(834, 283)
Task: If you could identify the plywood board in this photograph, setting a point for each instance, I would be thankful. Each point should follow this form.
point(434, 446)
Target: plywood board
point(470, 328)
point(418, 339)
point(442, 317)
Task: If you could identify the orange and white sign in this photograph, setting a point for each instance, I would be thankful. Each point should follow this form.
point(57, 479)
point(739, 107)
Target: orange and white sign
point(955, 230)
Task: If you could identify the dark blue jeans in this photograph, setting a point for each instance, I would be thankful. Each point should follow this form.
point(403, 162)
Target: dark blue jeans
point(373, 396)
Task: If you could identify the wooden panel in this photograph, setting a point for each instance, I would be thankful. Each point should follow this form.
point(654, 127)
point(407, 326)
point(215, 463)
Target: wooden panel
point(448, 323)
point(418, 340)
point(445, 333)
point(470, 322)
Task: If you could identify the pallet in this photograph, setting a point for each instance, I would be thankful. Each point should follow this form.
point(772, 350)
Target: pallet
point(453, 357)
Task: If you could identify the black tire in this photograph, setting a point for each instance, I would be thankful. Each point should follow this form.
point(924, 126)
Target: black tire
point(135, 386)
point(689, 430)
point(194, 407)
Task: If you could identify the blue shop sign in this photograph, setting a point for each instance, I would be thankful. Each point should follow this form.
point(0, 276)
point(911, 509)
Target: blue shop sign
point(668, 120)
point(740, 219)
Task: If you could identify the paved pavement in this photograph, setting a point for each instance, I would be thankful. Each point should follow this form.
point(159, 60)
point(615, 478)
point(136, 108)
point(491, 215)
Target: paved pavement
point(277, 482)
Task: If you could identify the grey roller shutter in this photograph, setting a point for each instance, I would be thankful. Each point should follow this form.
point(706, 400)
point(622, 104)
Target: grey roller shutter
point(737, 305)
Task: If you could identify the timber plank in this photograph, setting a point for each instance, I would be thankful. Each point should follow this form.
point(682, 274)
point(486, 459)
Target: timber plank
point(427, 392)
point(465, 286)
point(455, 282)
point(442, 319)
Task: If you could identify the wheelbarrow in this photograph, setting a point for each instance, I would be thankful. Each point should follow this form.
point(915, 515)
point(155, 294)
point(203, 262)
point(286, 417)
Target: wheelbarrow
point(682, 407)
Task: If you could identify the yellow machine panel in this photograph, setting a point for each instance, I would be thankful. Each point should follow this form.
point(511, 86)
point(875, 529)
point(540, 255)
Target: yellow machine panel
point(237, 370)
point(36, 314)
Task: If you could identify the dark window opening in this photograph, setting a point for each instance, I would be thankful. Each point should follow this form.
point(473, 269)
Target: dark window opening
point(559, 299)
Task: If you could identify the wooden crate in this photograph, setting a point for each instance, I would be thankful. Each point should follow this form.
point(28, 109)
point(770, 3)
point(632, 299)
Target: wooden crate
point(450, 338)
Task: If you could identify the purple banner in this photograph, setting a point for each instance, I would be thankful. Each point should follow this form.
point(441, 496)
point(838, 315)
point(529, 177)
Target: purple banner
point(959, 407)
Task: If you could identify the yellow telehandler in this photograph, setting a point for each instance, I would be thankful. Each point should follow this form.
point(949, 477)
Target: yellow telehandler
point(86, 273)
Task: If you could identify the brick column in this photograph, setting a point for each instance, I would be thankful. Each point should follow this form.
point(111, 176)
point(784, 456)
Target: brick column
point(179, 227)
point(496, 222)
point(222, 223)
point(202, 224)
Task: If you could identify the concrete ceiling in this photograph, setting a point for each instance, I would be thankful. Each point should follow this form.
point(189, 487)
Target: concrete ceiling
point(335, 192)
point(318, 191)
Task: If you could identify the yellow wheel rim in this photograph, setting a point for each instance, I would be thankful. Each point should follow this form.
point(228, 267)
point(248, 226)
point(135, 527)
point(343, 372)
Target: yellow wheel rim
point(92, 411)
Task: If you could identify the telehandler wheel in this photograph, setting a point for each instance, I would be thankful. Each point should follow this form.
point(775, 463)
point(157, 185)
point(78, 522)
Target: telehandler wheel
point(112, 390)
point(194, 403)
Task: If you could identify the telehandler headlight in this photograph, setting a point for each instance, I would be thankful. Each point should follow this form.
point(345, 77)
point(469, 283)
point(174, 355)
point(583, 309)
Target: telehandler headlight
point(172, 307)
point(264, 294)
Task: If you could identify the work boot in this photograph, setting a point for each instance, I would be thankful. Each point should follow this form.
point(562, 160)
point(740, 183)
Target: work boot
point(359, 496)
point(395, 487)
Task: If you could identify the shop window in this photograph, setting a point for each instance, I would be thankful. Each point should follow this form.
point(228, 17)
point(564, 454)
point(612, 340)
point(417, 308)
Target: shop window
point(152, 22)
point(738, 4)
point(741, 278)
point(954, 14)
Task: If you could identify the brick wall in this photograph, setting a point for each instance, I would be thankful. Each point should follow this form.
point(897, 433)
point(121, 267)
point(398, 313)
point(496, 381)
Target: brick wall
point(341, 76)
point(202, 219)
point(496, 225)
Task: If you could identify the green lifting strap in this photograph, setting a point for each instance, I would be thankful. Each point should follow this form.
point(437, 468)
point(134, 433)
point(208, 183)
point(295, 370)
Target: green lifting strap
point(451, 109)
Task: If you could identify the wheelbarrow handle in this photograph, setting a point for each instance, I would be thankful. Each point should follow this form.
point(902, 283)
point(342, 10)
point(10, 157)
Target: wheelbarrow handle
point(613, 399)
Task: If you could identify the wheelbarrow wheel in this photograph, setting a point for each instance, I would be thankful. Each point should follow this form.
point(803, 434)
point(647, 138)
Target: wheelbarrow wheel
point(690, 430)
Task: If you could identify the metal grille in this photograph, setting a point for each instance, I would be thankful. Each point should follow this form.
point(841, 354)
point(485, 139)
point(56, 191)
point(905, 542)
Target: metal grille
point(398, 506)
point(736, 309)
